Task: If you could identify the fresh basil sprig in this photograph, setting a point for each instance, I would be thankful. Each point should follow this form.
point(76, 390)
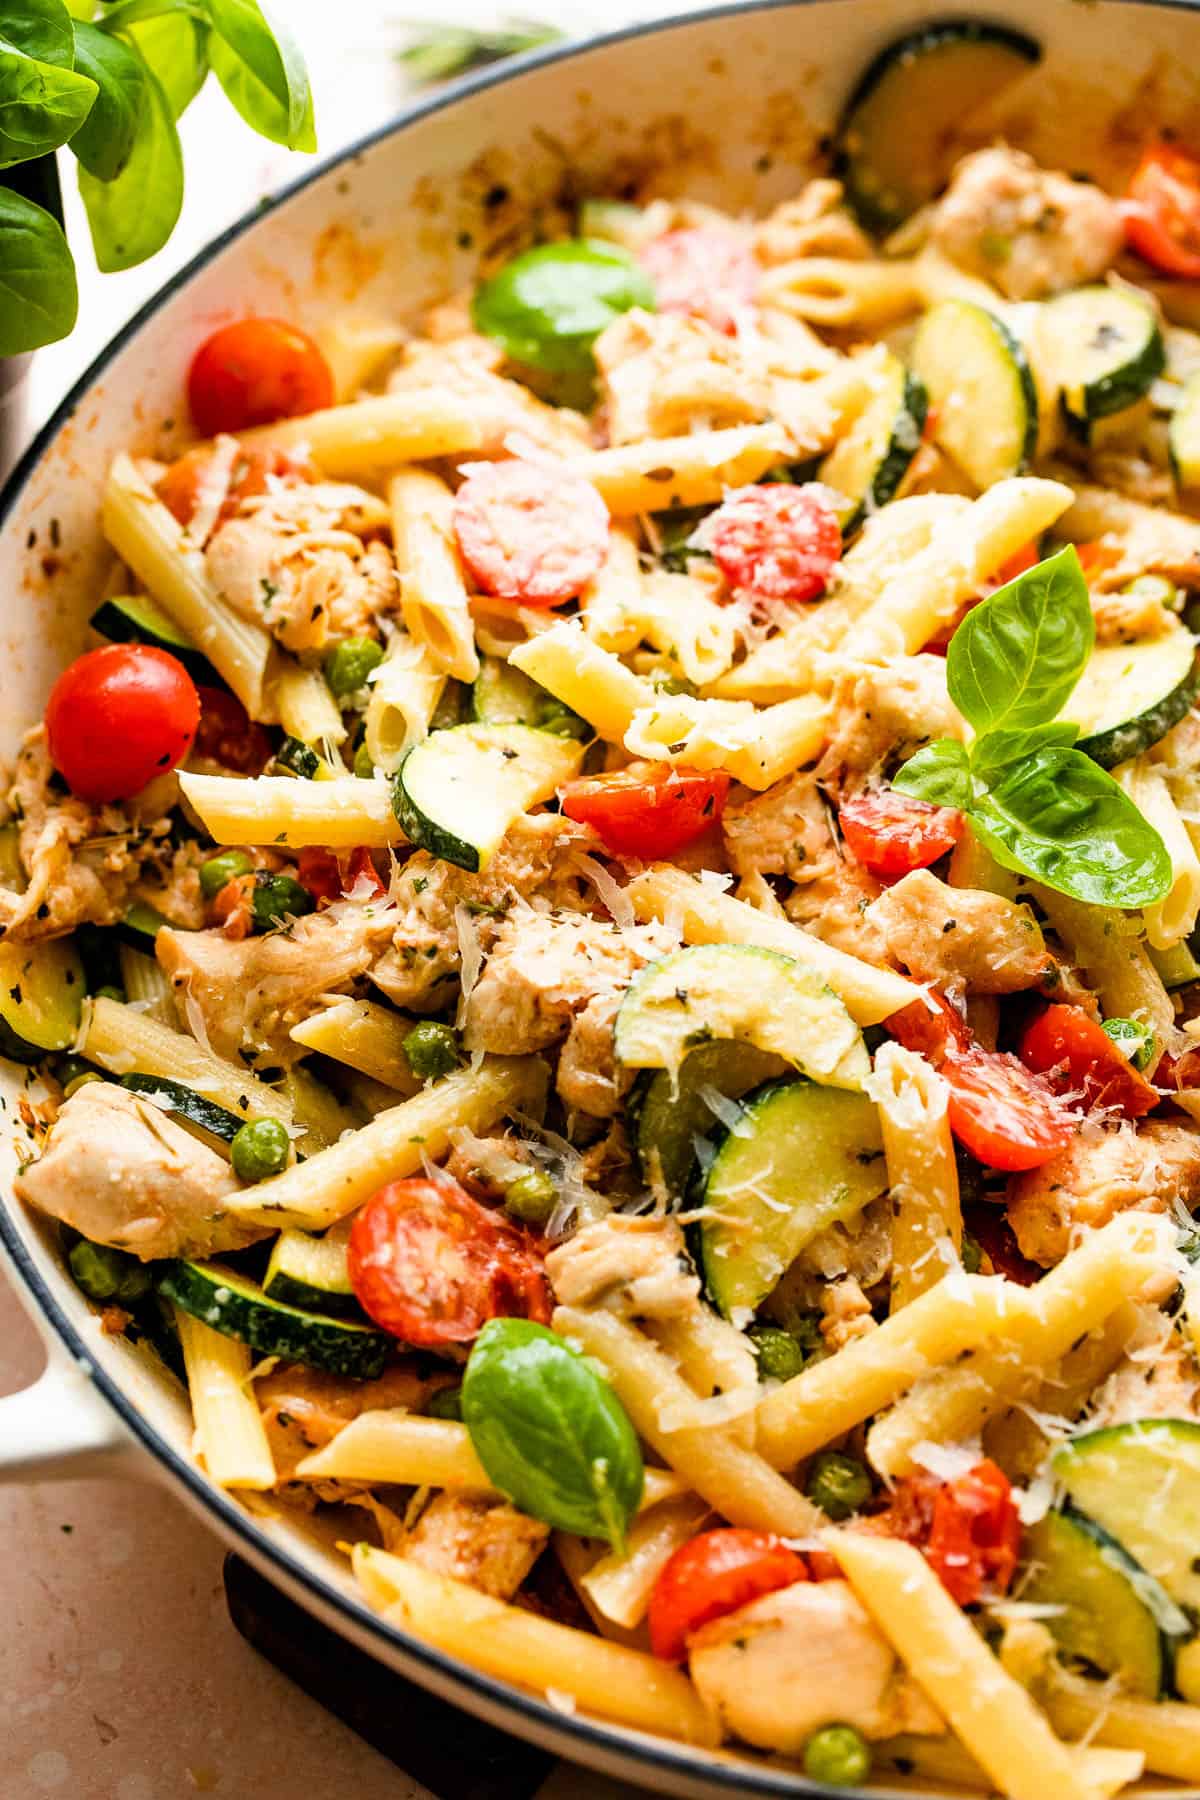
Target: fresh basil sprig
point(1042, 807)
point(550, 1433)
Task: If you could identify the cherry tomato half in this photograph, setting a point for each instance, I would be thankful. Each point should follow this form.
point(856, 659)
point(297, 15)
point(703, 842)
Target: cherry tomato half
point(118, 717)
point(706, 271)
point(228, 736)
point(892, 834)
point(1097, 558)
point(712, 1575)
point(329, 877)
point(432, 1266)
point(975, 1534)
point(254, 372)
point(775, 541)
point(648, 810)
point(1162, 213)
point(1081, 1060)
point(529, 533)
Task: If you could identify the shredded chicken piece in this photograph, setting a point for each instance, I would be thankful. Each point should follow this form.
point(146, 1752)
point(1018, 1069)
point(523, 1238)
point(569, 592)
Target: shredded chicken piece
point(462, 362)
point(639, 1266)
point(1127, 618)
point(588, 1078)
point(963, 939)
point(665, 374)
point(479, 1539)
point(780, 1668)
point(1160, 1382)
point(815, 223)
point(847, 1314)
point(882, 716)
point(1149, 539)
point(122, 1172)
point(1099, 1174)
point(1029, 231)
point(291, 565)
point(860, 1248)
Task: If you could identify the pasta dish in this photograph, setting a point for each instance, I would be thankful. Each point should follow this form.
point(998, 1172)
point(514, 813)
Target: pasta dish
point(606, 946)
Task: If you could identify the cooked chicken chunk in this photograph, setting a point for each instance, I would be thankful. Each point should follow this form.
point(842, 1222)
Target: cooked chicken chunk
point(588, 1079)
point(1150, 540)
point(464, 363)
point(815, 223)
point(1099, 1174)
point(663, 374)
point(881, 716)
point(479, 1539)
point(779, 1669)
point(639, 1266)
point(963, 939)
point(303, 1409)
point(1159, 1381)
point(1029, 231)
point(249, 993)
point(119, 1169)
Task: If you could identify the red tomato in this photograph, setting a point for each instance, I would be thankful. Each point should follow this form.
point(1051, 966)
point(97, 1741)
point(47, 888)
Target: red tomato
point(714, 1574)
point(1006, 1117)
point(975, 1535)
point(432, 1266)
point(648, 809)
point(226, 734)
point(891, 834)
point(179, 488)
point(232, 907)
point(118, 717)
point(707, 271)
point(1097, 558)
point(991, 1230)
point(254, 372)
point(328, 877)
point(1162, 213)
point(528, 533)
point(774, 541)
point(1081, 1060)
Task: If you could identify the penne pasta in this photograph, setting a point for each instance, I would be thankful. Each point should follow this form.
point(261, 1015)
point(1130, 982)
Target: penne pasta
point(433, 590)
point(620, 1586)
point(1174, 917)
point(307, 709)
point(922, 1172)
point(231, 1439)
point(340, 814)
point(835, 291)
point(367, 1036)
point(126, 1041)
point(404, 692)
point(591, 681)
point(381, 432)
point(756, 747)
point(660, 473)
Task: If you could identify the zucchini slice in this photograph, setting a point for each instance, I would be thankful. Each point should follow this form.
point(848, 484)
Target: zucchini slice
point(800, 1158)
point(1141, 1482)
point(980, 383)
point(313, 1273)
point(457, 792)
point(136, 619)
point(231, 1304)
point(1103, 347)
point(669, 1112)
point(898, 137)
point(139, 926)
point(867, 466)
point(1114, 1615)
point(758, 997)
point(502, 695)
point(295, 757)
point(1130, 695)
point(193, 1108)
point(1183, 436)
point(41, 998)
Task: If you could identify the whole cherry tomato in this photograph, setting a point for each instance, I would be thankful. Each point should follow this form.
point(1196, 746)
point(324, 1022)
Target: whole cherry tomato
point(714, 1574)
point(119, 716)
point(254, 372)
point(648, 810)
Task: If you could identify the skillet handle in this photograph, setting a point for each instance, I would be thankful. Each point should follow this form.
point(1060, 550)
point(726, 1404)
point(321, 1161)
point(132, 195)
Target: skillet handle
point(60, 1429)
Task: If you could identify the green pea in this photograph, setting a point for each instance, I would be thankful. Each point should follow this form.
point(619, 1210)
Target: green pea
point(109, 992)
point(1134, 1038)
point(838, 1484)
point(431, 1049)
point(364, 768)
point(799, 1323)
point(278, 897)
point(560, 721)
point(780, 1355)
point(972, 1254)
point(531, 1198)
point(347, 666)
point(1154, 587)
point(70, 1068)
point(259, 1148)
point(219, 869)
point(77, 1081)
point(446, 1403)
point(837, 1755)
point(107, 1274)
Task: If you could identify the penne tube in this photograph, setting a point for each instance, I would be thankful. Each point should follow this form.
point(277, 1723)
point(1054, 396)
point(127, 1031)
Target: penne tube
point(834, 291)
point(384, 431)
point(230, 1435)
point(735, 1481)
point(591, 681)
point(757, 747)
point(323, 1189)
point(366, 1036)
point(356, 349)
point(1166, 1732)
point(922, 1172)
point(613, 1680)
point(433, 589)
point(126, 1042)
point(706, 916)
point(1173, 918)
point(659, 474)
point(307, 709)
point(611, 602)
point(620, 1586)
point(403, 691)
point(1107, 946)
point(1018, 1440)
point(713, 1356)
point(340, 814)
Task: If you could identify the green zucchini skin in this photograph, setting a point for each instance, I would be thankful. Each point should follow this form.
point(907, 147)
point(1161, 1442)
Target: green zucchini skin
point(1140, 1481)
point(966, 354)
point(885, 134)
point(457, 791)
point(134, 619)
point(1109, 748)
point(1117, 335)
point(42, 987)
point(240, 1309)
point(1183, 437)
point(312, 1273)
point(666, 1117)
point(1154, 682)
point(218, 1121)
point(871, 461)
point(298, 759)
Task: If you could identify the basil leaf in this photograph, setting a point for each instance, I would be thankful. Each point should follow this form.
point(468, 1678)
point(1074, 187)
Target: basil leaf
point(1016, 657)
point(41, 104)
point(175, 47)
point(134, 215)
point(1061, 818)
point(104, 142)
point(996, 749)
point(41, 28)
point(550, 1432)
point(548, 306)
point(38, 296)
point(262, 73)
point(941, 773)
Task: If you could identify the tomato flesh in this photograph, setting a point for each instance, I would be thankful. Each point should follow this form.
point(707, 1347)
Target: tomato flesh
point(432, 1266)
point(649, 810)
point(891, 834)
point(179, 488)
point(1162, 213)
point(1081, 1060)
point(328, 877)
point(529, 533)
point(227, 735)
point(1006, 1116)
point(254, 372)
point(119, 716)
point(705, 271)
point(775, 541)
point(711, 1575)
point(975, 1534)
